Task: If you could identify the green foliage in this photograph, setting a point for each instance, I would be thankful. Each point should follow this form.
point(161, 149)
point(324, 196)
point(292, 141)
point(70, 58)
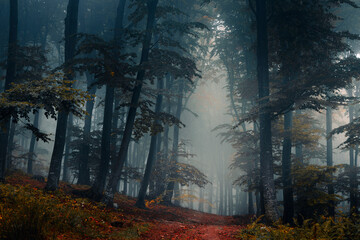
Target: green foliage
point(352, 134)
point(144, 122)
point(310, 184)
point(52, 94)
point(183, 172)
point(31, 63)
point(28, 213)
point(94, 144)
point(325, 228)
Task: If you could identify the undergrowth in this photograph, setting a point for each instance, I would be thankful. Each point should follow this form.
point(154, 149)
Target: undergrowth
point(29, 213)
point(325, 228)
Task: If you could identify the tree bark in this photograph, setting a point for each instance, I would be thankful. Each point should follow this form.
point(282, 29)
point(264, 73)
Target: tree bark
point(84, 176)
point(266, 161)
point(151, 6)
point(32, 145)
point(329, 157)
point(65, 176)
point(100, 180)
point(171, 185)
point(11, 144)
point(211, 190)
point(299, 146)
point(286, 170)
point(71, 24)
point(10, 77)
point(152, 151)
point(353, 187)
point(251, 210)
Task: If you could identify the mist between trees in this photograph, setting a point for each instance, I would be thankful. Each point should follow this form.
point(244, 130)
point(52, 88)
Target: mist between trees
point(228, 107)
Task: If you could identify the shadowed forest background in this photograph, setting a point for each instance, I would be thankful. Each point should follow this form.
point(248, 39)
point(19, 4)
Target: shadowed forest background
point(235, 108)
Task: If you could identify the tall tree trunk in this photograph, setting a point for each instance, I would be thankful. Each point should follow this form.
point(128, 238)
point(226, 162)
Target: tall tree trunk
point(100, 180)
point(266, 161)
point(329, 157)
point(251, 210)
point(10, 77)
point(65, 176)
point(237, 201)
point(299, 146)
point(201, 200)
point(32, 145)
point(286, 170)
point(84, 176)
point(211, 189)
point(152, 152)
point(11, 144)
point(71, 24)
point(114, 133)
point(99, 186)
point(170, 187)
point(231, 199)
point(226, 188)
point(37, 114)
point(353, 187)
point(125, 178)
point(151, 6)
point(103, 169)
point(162, 183)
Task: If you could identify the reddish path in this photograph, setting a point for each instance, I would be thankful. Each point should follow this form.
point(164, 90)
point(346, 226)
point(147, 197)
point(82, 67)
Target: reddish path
point(175, 223)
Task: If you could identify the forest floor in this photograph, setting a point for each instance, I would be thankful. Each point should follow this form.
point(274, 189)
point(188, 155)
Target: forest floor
point(97, 222)
point(170, 222)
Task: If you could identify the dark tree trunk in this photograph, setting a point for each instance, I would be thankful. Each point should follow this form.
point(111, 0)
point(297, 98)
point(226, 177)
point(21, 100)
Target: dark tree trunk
point(151, 6)
point(152, 152)
point(353, 187)
point(201, 200)
point(299, 147)
point(100, 180)
point(170, 187)
point(125, 189)
point(258, 203)
point(230, 199)
point(226, 188)
point(136, 165)
point(329, 157)
point(161, 185)
point(114, 128)
point(266, 161)
point(37, 115)
point(286, 170)
point(11, 144)
point(71, 24)
point(84, 175)
point(10, 77)
point(32, 145)
point(65, 176)
point(237, 201)
point(251, 210)
point(221, 196)
point(211, 189)
point(168, 110)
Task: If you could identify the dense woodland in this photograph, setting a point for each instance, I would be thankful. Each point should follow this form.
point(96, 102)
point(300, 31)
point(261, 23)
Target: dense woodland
point(247, 107)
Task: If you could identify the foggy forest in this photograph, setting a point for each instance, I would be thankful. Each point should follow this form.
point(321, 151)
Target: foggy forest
point(177, 119)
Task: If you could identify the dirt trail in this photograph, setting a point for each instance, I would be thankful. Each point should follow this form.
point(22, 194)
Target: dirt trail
point(176, 223)
point(194, 225)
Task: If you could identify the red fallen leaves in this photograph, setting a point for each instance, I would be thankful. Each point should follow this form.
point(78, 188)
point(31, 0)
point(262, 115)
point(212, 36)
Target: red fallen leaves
point(163, 222)
point(174, 231)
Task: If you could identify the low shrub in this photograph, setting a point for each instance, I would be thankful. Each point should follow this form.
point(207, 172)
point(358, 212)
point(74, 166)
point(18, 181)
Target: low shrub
point(325, 228)
point(29, 213)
